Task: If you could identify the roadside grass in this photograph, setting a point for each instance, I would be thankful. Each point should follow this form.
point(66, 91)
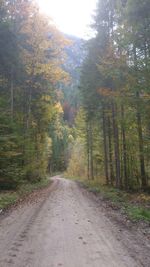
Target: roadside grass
point(138, 213)
point(8, 198)
point(135, 205)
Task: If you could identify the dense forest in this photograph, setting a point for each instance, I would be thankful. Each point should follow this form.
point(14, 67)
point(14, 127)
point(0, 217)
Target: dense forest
point(113, 133)
point(33, 134)
point(71, 104)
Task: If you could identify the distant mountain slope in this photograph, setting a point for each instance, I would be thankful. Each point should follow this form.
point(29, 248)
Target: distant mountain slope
point(75, 55)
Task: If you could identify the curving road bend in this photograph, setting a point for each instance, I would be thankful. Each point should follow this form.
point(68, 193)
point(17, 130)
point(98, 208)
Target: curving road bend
point(65, 228)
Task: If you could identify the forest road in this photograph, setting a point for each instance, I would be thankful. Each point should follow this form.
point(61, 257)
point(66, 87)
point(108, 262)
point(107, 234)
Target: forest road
point(66, 229)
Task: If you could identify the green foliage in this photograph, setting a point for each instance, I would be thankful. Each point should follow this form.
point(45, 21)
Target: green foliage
point(137, 213)
point(114, 90)
point(7, 199)
point(62, 137)
point(27, 188)
point(31, 52)
point(77, 163)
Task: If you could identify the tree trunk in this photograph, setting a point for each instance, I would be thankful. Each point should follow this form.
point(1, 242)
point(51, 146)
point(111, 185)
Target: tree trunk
point(29, 109)
point(91, 151)
point(12, 93)
point(105, 147)
point(124, 148)
point(139, 126)
point(116, 146)
point(88, 153)
point(141, 146)
point(110, 153)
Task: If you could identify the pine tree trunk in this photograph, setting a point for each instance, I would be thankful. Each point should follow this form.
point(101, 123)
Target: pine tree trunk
point(88, 154)
point(141, 146)
point(91, 152)
point(116, 146)
point(124, 148)
point(29, 109)
point(12, 93)
point(140, 132)
point(110, 153)
point(105, 147)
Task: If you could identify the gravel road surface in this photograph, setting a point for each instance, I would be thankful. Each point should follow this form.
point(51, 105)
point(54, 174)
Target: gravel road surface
point(65, 228)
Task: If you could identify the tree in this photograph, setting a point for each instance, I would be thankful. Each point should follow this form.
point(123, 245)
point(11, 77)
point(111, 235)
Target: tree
point(114, 91)
point(30, 71)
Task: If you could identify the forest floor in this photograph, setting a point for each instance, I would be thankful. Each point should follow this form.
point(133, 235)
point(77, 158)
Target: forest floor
point(66, 225)
point(134, 206)
point(9, 198)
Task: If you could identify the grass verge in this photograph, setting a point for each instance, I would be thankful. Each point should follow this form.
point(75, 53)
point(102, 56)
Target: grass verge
point(135, 205)
point(8, 198)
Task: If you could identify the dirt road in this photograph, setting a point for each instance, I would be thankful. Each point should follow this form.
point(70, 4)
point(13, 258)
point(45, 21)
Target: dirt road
point(64, 228)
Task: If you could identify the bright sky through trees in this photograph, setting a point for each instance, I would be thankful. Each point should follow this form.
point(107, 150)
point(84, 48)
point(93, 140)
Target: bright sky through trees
point(71, 16)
